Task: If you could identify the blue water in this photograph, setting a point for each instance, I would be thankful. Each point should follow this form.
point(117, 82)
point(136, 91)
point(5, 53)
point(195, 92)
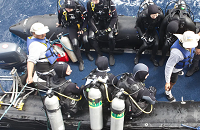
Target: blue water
point(13, 11)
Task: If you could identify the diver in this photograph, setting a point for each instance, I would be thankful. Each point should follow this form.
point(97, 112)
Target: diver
point(177, 20)
point(147, 24)
point(102, 18)
point(59, 84)
point(40, 54)
point(133, 84)
point(102, 72)
point(73, 17)
point(181, 55)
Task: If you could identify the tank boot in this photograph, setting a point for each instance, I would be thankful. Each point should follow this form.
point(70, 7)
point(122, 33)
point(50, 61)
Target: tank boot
point(111, 60)
point(81, 66)
point(155, 63)
point(89, 57)
point(192, 71)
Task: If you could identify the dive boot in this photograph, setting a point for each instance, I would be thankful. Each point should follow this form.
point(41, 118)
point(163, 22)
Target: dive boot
point(81, 66)
point(111, 60)
point(155, 63)
point(89, 57)
point(192, 71)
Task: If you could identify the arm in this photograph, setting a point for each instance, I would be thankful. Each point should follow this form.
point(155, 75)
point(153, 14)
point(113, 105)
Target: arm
point(90, 18)
point(114, 15)
point(30, 67)
point(138, 26)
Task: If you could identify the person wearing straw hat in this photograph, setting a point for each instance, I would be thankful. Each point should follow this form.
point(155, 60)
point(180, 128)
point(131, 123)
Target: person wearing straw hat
point(181, 55)
point(40, 53)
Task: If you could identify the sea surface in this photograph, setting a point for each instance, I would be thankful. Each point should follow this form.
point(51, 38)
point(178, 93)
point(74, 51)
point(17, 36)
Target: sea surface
point(13, 11)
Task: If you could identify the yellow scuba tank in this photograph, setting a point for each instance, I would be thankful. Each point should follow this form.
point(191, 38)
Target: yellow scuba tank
point(68, 48)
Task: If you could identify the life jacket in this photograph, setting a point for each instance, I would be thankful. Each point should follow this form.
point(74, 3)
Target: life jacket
point(73, 18)
point(188, 56)
point(50, 55)
point(102, 11)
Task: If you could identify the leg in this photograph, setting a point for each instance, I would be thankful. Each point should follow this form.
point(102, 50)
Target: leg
point(141, 49)
point(87, 46)
point(154, 50)
point(165, 49)
point(195, 65)
point(112, 47)
point(77, 52)
point(174, 78)
point(94, 42)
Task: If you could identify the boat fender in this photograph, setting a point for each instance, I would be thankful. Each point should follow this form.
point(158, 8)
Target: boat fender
point(68, 48)
point(95, 109)
point(54, 113)
point(117, 112)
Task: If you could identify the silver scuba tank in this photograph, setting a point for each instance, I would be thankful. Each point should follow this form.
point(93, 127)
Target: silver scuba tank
point(54, 113)
point(117, 113)
point(68, 48)
point(95, 109)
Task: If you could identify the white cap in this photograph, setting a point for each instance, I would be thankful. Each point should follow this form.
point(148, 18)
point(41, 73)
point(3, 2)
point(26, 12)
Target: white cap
point(39, 29)
point(189, 39)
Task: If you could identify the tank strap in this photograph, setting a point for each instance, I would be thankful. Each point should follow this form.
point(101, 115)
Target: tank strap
point(95, 100)
point(54, 110)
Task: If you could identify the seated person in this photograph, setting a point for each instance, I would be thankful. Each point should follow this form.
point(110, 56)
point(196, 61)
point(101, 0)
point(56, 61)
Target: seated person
point(147, 25)
point(66, 87)
point(134, 85)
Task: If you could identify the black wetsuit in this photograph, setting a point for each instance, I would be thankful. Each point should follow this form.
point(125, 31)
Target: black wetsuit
point(148, 28)
point(77, 16)
point(167, 38)
point(101, 19)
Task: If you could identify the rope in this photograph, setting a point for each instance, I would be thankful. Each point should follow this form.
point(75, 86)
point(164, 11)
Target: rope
point(13, 102)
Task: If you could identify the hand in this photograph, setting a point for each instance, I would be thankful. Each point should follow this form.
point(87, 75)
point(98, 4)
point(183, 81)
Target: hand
point(167, 86)
point(29, 80)
point(80, 33)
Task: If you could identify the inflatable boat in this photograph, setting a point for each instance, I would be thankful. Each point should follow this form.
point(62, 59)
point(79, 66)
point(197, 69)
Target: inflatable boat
point(23, 109)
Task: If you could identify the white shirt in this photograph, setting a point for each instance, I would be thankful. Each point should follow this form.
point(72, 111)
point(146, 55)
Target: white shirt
point(175, 56)
point(37, 51)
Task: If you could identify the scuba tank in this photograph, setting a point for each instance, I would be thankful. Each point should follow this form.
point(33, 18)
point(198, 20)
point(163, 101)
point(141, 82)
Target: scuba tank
point(54, 113)
point(95, 109)
point(68, 48)
point(117, 112)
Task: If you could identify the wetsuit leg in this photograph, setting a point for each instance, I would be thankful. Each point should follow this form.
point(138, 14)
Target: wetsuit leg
point(73, 36)
point(141, 49)
point(87, 46)
point(195, 65)
point(93, 42)
point(112, 47)
point(155, 49)
point(165, 49)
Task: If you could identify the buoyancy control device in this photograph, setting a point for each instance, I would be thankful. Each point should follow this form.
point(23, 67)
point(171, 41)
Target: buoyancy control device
point(97, 94)
point(11, 55)
point(53, 111)
point(133, 93)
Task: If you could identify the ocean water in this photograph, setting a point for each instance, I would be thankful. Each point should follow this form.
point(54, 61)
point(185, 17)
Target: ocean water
point(13, 11)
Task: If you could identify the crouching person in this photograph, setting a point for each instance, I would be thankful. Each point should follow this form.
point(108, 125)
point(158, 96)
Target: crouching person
point(68, 92)
point(137, 96)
